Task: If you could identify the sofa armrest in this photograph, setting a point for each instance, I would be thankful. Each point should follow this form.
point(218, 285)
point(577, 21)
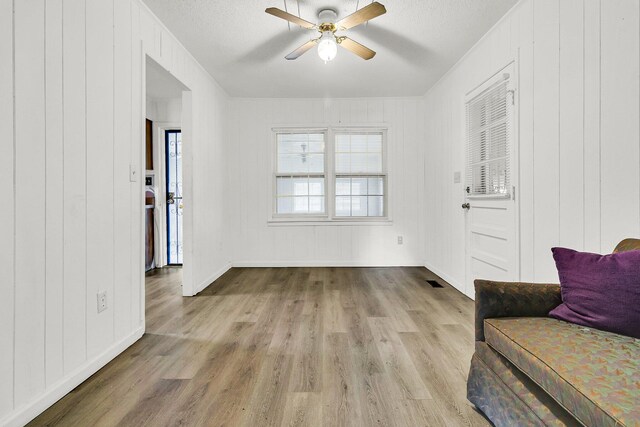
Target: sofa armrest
point(513, 299)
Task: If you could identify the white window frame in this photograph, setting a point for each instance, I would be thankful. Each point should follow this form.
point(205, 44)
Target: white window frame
point(275, 175)
point(383, 173)
point(329, 216)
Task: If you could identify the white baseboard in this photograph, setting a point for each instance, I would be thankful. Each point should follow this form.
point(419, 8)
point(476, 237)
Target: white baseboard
point(211, 279)
point(27, 412)
point(450, 280)
point(321, 264)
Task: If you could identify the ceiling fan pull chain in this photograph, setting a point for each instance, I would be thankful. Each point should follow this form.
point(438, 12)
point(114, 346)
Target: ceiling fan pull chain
point(286, 10)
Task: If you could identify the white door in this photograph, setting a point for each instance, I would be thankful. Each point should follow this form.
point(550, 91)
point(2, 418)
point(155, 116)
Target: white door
point(490, 203)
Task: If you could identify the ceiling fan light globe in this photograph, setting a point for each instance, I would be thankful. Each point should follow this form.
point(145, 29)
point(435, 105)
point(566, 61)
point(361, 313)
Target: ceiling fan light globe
point(327, 47)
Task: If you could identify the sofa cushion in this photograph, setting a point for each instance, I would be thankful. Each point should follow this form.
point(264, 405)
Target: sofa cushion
point(593, 374)
point(599, 291)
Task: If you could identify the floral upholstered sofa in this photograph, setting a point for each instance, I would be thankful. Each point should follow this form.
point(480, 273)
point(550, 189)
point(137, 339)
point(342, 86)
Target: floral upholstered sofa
point(532, 370)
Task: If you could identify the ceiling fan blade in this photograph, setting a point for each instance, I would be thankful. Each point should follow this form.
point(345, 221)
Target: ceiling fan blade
point(302, 49)
point(355, 47)
point(365, 14)
point(289, 17)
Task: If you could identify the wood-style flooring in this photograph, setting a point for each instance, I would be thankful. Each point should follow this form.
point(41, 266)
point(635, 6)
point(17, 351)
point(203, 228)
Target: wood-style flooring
point(288, 347)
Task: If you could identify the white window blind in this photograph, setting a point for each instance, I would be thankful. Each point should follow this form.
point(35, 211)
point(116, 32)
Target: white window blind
point(360, 177)
point(489, 134)
point(300, 173)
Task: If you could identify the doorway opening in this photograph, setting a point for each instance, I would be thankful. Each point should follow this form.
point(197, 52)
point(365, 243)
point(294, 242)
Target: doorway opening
point(167, 118)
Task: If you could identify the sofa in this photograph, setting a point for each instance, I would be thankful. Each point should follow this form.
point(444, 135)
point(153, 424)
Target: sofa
point(529, 369)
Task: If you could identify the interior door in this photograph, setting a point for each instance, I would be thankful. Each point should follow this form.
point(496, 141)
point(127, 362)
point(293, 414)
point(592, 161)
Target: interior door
point(173, 144)
point(490, 204)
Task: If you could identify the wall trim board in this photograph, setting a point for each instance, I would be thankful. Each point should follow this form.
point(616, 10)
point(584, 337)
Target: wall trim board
point(39, 404)
point(215, 276)
point(251, 264)
point(447, 278)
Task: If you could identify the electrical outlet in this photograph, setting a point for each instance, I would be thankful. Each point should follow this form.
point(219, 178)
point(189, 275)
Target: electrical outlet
point(102, 301)
point(400, 240)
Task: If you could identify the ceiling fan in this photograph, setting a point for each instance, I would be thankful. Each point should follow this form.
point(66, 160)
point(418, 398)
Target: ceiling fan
point(328, 41)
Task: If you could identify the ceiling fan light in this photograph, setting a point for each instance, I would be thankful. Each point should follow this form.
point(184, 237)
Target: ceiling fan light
point(327, 46)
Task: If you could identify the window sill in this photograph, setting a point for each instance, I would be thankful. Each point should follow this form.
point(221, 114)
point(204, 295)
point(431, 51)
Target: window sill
point(301, 222)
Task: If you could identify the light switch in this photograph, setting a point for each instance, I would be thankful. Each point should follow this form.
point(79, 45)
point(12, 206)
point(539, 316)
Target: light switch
point(133, 173)
point(456, 177)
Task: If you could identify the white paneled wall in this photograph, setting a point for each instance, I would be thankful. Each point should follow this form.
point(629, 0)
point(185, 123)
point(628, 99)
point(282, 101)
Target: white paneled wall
point(579, 149)
point(257, 243)
point(71, 110)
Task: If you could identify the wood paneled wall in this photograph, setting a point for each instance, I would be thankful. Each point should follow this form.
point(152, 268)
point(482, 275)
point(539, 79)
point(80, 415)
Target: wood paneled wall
point(579, 149)
point(71, 112)
point(257, 243)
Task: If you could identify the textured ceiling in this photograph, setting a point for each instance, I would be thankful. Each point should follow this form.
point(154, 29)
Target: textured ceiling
point(416, 42)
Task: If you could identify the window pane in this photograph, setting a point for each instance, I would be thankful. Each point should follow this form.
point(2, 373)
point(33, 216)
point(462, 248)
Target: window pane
point(316, 204)
point(300, 153)
point(316, 143)
point(316, 186)
point(358, 163)
point(343, 206)
point(359, 186)
point(359, 206)
point(284, 186)
point(292, 147)
point(376, 186)
point(343, 186)
point(358, 143)
point(300, 186)
point(316, 162)
point(343, 163)
point(488, 139)
point(360, 196)
point(359, 153)
point(342, 143)
point(284, 205)
point(374, 162)
point(292, 186)
point(301, 205)
point(376, 207)
point(374, 143)
point(292, 163)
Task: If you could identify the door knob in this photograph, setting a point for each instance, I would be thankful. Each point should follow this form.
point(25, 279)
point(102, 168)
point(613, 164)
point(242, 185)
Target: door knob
point(466, 206)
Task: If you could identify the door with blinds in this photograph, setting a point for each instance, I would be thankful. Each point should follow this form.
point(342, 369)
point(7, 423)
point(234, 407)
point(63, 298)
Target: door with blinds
point(490, 185)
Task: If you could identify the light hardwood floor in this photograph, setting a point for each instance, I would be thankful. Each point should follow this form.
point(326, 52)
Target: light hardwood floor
point(290, 347)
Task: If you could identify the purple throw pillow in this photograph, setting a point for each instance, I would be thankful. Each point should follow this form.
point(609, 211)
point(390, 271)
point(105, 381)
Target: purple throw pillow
point(599, 291)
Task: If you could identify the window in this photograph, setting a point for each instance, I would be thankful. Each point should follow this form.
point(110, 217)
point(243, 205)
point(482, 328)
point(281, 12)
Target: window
point(489, 134)
point(330, 174)
point(300, 173)
point(359, 175)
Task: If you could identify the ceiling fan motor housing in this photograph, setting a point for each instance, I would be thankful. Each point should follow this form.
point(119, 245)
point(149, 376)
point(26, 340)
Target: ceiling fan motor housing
point(327, 16)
